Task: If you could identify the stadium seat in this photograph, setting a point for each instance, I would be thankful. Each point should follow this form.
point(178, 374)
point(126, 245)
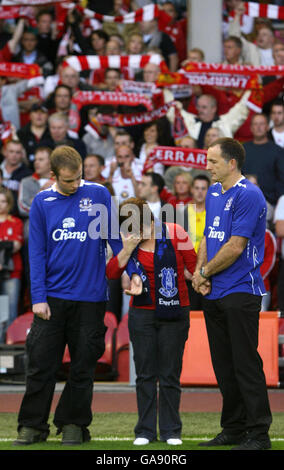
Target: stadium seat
point(111, 324)
point(18, 330)
point(122, 350)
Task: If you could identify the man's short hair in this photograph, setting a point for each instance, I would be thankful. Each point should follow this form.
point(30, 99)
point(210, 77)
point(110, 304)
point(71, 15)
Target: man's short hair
point(277, 102)
point(48, 150)
point(64, 156)
point(61, 85)
point(203, 178)
point(9, 197)
point(100, 159)
point(237, 41)
point(157, 180)
point(122, 132)
point(231, 149)
point(198, 51)
point(260, 114)
point(58, 117)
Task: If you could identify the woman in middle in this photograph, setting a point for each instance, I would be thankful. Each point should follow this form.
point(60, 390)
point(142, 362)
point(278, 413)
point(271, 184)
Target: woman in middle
point(158, 316)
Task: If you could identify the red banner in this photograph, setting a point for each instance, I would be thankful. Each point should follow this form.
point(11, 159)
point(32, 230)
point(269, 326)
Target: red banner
point(134, 119)
point(115, 98)
point(238, 69)
point(14, 12)
point(244, 77)
point(146, 13)
point(177, 156)
point(6, 132)
point(16, 69)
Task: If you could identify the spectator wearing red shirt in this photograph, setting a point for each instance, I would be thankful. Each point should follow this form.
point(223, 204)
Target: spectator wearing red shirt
point(10, 47)
point(175, 29)
point(158, 316)
point(11, 239)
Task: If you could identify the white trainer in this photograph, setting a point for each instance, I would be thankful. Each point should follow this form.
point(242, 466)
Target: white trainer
point(141, 441)
point(174, 442)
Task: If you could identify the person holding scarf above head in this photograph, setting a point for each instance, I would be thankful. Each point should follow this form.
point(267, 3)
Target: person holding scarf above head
point(158, 316)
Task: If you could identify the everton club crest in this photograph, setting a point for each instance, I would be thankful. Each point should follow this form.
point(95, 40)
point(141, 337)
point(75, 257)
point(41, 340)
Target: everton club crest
point(168, 288)
point(85, 204)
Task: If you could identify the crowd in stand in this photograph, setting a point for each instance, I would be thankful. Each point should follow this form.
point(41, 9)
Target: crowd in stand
point(39, 112)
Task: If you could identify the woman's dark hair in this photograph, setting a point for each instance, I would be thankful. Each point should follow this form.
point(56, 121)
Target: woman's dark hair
point(137, 212)
point(231, 149)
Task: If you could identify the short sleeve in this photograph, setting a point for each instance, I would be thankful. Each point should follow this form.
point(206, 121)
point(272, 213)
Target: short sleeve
point(279, 209)
point(248, 209)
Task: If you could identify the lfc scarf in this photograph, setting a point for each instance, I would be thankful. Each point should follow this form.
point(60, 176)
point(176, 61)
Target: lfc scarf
point(176, 156)
point(262, 10)
point(115, 98)
point(6, 132)
point(95, 62)
point(24, 71)
point(210, 76)
point(147, 13)
point(167, 301)
point(133, 119)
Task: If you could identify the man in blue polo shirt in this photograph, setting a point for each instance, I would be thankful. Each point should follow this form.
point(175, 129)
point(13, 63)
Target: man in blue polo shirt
point(70, 224)
point(228, 274)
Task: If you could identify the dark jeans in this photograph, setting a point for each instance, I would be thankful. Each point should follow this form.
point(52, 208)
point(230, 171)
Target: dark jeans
point(158, 351)
point(80, 325)
point(232, 325)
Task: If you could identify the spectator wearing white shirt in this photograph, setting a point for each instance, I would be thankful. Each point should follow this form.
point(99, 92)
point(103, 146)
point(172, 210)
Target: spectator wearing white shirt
point(276, 133)
point(260, 53)
point(123, 173)
point(149, 189)
point(279, 232)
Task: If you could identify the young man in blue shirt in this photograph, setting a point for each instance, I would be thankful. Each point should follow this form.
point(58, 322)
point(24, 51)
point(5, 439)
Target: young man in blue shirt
point(228, 275)
point(69, 225)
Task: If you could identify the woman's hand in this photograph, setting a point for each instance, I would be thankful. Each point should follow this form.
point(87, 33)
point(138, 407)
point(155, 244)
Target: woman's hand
point(136, 286)
point(130, 242)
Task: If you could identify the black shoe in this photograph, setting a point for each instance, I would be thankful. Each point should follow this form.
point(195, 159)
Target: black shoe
point(254, 444)
point(27, 436)
point(223, 439)
point(71, 435)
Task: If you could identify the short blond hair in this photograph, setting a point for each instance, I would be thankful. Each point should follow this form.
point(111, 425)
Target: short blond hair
point(9, 197)
point(64, 156)
point(187, 176)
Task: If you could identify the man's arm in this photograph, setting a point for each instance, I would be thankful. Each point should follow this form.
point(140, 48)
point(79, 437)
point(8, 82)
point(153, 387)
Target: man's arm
point(37, 259)
point(15, 39)
point(225, 257)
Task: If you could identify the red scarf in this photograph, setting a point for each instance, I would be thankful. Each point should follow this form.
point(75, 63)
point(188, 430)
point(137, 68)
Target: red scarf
point(14, 69)
point(134, 119)
point(261, 10)
point(115, 98)
point(176, 156)
point(95, 62)
point(147, 13)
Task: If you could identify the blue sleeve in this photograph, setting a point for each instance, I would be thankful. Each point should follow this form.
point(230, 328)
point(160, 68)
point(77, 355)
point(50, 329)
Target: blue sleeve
point(248, 209)
point(37, 253)
point(114, 238)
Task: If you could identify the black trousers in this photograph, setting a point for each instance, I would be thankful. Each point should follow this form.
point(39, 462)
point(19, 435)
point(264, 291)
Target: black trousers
point(158, 348)
point(232, 325)
point(80, 325)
